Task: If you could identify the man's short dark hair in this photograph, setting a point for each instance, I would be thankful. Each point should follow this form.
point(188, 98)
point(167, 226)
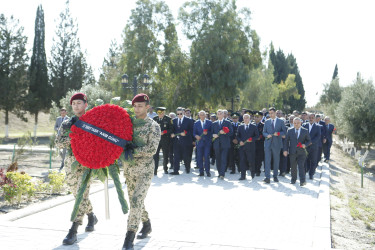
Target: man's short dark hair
point(272, 108)
point(304, 113)
point(63, 109)
point(187, 110)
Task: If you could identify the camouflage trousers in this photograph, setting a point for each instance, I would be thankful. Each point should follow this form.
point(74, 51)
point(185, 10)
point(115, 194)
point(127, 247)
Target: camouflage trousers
point(138, 179)
point(74, 180)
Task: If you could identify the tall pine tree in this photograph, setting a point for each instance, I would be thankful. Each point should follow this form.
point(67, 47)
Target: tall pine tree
point(293, 102)
point(68, 66)
point(13, 68)
point(39, 95)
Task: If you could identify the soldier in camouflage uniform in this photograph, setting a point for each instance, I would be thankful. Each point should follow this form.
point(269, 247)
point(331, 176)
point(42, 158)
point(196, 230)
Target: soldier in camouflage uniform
point(139, 174)
point(74, 178)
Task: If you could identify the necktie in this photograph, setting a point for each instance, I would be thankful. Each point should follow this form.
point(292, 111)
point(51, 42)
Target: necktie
point(273, 124)
point(220, 123)
point(247, 126)
point(297, 133)
point(179, 122)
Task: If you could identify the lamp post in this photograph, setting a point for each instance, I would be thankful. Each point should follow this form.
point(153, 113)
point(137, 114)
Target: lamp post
point(125, 83)
point(232, 100)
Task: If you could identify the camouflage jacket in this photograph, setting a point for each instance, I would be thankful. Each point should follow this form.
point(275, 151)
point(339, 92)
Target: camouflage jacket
point(62, 139)
point(150, 134)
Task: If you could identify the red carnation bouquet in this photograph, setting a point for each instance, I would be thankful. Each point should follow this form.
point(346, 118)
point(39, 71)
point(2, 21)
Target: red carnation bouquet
point(204, 131)
point(299, 145)
point(164, 132)
point(185, 132)
point(99, 138)
point(278, 134)
point(247, 141)
point(226, 131)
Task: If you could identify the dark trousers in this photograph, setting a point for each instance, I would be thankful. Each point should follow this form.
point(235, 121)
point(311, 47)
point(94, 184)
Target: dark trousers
point(319, 155)
point(274, 154)
point(288, 164)
point(165, 147)
point(247, 160)
point(327, 149)
point(221, 160)
point(283, 162)
point(212, 154)
point(298, 159)
point(233, 159)
point(203, 152)
point(259, 156)
point(191, 150)
point(181, 152)
point(171, 158)
point(311, 163)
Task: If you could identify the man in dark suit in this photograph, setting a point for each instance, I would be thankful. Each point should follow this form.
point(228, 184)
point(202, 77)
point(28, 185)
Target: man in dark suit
point(312, 150)
point(273, 131)
point(296, 141)
point(182, 140)
point(259, 143)
point(322, 136)
point(187, 114)
point(233, 155)
point(247, 136)
point(203, 136)
point(221, 141)
point(327, 143)
point(213, 118)
point(165, 124)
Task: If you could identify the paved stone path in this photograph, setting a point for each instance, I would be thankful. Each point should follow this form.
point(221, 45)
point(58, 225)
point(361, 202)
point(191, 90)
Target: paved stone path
point(190, 212)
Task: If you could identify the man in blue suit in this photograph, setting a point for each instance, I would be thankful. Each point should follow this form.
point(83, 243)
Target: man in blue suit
point(274, 128)
point(322, 136)
point(330, 128)
point(296, 141)
point(312, 150)
point(182, 141)
point(221, 141)
point(246, 131)
point(203, 136)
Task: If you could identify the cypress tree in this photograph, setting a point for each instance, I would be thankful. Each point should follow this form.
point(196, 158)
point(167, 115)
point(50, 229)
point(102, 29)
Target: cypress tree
point(39, 95)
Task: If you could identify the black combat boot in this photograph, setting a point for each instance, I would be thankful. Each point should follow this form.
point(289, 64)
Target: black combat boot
point(72, 235)
point(146, 229)
point(129, 239)
point(92, 221)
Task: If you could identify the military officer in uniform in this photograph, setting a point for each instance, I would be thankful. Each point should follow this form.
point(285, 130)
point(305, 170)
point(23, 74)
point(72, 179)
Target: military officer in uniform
point(259, 143)
point(74, 178)
point(138, 176)
point(165, 124)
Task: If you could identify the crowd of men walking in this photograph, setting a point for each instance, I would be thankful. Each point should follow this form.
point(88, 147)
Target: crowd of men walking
point(283, 143)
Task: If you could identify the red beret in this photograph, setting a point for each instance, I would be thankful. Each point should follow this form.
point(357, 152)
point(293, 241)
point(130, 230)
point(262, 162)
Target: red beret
point(78, 96)
point(140, 98)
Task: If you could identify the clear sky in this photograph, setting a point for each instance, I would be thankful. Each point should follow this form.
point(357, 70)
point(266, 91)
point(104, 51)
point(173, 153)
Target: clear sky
point(319, 33)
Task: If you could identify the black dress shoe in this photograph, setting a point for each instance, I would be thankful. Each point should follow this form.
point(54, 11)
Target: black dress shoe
point(174, 173)
point(208, 174)
point(257, 174)
point(201, 174)
point(242, 178)
point(196, 167)
point(233, 172)
point(303, 184)
point(267, 180)
point(187, 171)
point(282, 174)
point(311, 177)
point(293, 182)
point(165, 171)
point(252, 176)
point(275, 179)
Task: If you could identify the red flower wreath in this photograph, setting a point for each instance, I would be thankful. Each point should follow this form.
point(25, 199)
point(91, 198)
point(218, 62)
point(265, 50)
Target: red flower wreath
point(92, 151)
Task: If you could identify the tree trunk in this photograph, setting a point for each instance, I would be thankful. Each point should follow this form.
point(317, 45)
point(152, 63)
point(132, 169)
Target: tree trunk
point(6, 123)
point(36, 124)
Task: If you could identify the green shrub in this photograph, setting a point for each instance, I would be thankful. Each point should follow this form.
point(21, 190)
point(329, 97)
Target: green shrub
point(10, 192)
point(22, 186)
point(57, 181)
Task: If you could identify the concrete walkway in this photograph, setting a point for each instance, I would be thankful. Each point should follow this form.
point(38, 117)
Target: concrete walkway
point(190, 212)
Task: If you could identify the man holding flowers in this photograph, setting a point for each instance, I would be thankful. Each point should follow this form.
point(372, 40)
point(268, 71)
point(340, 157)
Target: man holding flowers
point(222, 131)
point(296, 141)
point(247, 135)
point(203, 136)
